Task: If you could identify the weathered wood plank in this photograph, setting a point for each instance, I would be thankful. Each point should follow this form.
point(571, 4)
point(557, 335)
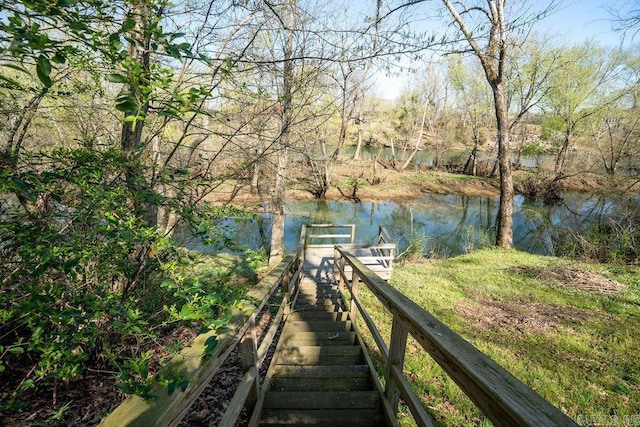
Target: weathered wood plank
point(304, 355)
point(331, 418)
point(318, 336)
point(318, 292)
point(317, 301)
point(236, 405)
point(373, 329)
point(313, 307)
point(328, 236)
point(321, 384)
point(318, 315)
point(322, 400)
point(294, 326)
point(420, 415)
point(313, 371)
point(304, 303)
point(397, 350)
point(315, 342)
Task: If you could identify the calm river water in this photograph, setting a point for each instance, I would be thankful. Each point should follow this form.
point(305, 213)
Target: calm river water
point(448, 224)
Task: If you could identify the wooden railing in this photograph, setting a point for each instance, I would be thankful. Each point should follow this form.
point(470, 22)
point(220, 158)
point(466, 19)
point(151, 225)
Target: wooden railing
point(384, 238)
point(504, 399)
point(168, 409)
point(330, 233)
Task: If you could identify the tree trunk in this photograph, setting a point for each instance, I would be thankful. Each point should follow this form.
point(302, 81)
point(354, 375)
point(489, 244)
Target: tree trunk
point(277, 228)
point(418, 141)
point(562, 154)
point(276, 253)
point(356, 155)
point(471, 167)
point(504, 226)
point(131, 136)
point(493, 58)
point(255, 171)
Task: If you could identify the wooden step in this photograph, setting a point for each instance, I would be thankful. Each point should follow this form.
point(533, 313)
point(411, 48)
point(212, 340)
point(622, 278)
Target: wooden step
point(312, 285)
point(320, 355)
point(318, 315)
point(324, 417)
point(318, 338)
point(316, 292)
point(344, 384)
point(322, 378)
point(330, 371)
point(319, 296)
point(315, 307)
point(295, 326)
point(318, 280)
point(314, 289)
point(322, 400)
point(303, 301)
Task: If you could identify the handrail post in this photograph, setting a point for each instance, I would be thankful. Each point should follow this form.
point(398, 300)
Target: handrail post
point(355, 279)
point(249, 356)
point(343, 264)
point(353, 233)
point(303, 236)
point(286, 291)
point(397, 350)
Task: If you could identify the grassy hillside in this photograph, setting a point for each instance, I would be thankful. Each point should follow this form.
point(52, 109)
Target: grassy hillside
point(570, 331)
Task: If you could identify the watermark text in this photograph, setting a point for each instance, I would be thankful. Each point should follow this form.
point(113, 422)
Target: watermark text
point(609, 420)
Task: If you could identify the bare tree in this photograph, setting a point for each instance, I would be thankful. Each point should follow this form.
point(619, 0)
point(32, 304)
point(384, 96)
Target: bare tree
point(286, 15)
point(626, 19)
point(615, 136)
point(487, 27)
point(492, 57)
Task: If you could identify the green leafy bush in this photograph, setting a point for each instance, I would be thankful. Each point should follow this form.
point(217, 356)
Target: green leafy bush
point(82, 272)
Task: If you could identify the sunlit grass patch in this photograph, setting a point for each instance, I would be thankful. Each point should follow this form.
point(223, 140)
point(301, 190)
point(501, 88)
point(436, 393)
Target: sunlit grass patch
point(568, 330)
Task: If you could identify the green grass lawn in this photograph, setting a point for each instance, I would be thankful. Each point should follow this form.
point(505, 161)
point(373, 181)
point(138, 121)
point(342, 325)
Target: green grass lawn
point(568, 330)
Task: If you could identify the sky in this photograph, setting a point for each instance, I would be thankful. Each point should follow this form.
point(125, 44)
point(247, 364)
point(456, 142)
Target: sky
point(585, 20)
point(576, 21)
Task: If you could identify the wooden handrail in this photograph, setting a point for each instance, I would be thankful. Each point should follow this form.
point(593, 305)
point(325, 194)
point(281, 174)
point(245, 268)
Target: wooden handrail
point(303, 236)
point(331, 234)
point(384, 237)
point(383, 234)
point(504, 399)
point(192, 362)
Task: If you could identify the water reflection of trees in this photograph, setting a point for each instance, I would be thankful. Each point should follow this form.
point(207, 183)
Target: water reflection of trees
point(548, 224)
point(450, 224)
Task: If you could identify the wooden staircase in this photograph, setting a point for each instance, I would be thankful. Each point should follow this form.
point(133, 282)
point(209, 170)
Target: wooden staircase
point(320, 374)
